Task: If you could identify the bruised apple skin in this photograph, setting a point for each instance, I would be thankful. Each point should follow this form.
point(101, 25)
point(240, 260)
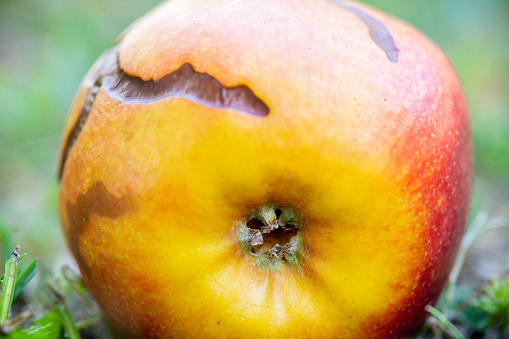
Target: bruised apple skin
point(271, 168)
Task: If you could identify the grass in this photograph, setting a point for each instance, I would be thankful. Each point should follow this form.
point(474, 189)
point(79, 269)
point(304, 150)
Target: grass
point(471, 310)
point(63, 308)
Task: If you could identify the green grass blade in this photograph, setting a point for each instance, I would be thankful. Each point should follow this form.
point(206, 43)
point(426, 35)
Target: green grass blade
point(49, 326)
point(8, 284)
point(444, 321)
point(24, 278)
point(68, 322)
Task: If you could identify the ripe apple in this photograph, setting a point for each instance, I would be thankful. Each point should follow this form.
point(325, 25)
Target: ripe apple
point(267, 168)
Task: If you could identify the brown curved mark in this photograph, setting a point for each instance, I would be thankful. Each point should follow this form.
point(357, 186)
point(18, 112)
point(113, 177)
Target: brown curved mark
point(185, 83)
point(379, 33)
point(78, 126)
point(97, 200)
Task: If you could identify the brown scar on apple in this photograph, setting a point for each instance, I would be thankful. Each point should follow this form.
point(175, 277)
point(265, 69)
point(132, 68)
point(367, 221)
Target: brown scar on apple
point(184, 82)
point(378, 32)
point(97, 200)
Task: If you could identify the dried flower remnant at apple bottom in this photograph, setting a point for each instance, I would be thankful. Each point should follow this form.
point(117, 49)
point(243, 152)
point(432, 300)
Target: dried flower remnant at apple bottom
point(272, 235)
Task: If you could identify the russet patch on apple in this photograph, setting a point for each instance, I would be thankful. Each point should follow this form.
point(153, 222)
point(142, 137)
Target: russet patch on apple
point(266, 168)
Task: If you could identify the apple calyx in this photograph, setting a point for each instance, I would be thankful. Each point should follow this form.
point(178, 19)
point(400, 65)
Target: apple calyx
point(272, 236)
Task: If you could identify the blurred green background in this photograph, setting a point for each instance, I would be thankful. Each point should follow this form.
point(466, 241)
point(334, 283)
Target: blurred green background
point(47, 46)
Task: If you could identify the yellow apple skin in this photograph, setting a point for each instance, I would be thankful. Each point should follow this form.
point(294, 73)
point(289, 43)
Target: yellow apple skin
point(374, 156)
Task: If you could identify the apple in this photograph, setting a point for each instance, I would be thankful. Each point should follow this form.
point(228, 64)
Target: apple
point(267, 168)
